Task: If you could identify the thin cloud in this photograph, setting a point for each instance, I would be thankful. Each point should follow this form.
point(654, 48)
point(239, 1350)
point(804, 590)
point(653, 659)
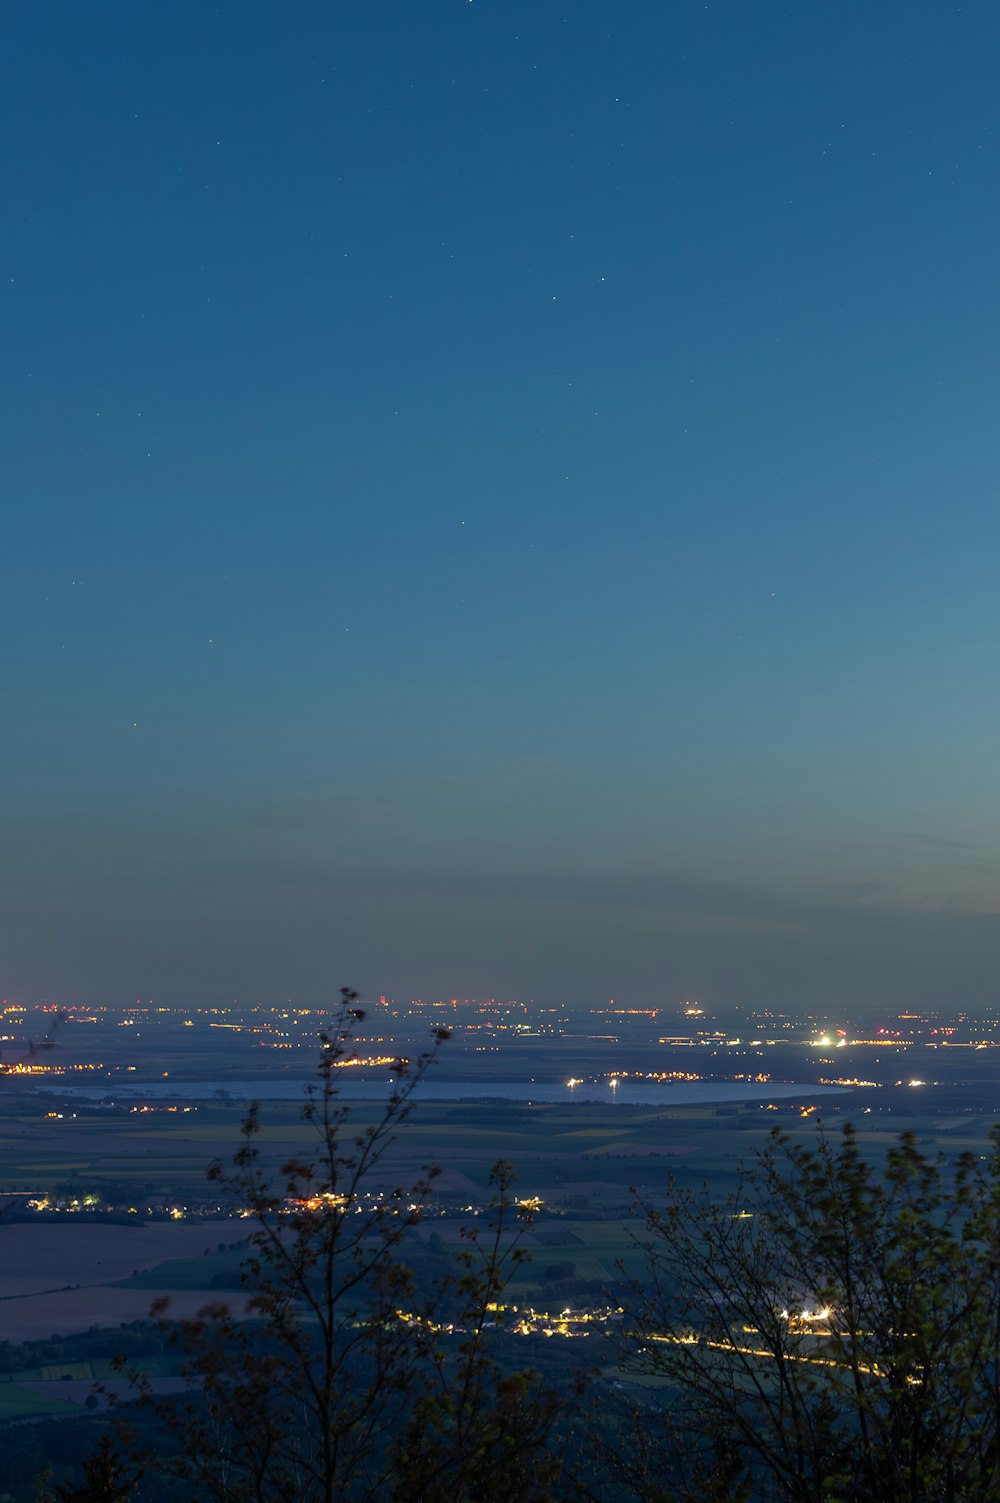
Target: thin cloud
point(934, 841)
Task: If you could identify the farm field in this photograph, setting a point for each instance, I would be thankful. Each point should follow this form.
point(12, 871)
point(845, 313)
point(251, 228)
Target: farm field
point(86, 1274)
point(39, 1316)
point(603, 1150)
point(589, 1164)
point(86, 1253)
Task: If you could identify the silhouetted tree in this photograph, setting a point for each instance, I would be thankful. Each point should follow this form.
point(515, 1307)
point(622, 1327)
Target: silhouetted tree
point(335, 1384)
point(107, 1478)
point(827, 1333)
point(35, 1047)
point(474, 1431)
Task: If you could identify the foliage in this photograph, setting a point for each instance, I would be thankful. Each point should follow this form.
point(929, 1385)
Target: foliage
point(475, 1431)
point(827, 1333)
point(106, 1479)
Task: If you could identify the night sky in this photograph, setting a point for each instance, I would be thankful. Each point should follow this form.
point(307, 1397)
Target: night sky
point(501, 498)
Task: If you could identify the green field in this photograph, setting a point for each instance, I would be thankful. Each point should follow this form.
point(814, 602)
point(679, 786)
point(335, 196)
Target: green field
point(21, 1403)
point(603, 1149)
point(186, 1273)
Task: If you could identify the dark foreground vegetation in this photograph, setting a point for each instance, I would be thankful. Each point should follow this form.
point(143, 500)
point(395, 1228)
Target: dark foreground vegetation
point(828, 1333)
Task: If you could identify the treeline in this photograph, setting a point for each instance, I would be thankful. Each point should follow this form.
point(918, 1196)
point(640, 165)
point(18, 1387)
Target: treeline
point(137, 1339)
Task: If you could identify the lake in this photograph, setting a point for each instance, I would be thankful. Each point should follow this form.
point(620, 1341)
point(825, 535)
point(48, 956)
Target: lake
point(627, 1093)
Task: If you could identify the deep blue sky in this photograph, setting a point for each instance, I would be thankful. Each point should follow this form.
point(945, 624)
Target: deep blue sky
point(501, 497)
